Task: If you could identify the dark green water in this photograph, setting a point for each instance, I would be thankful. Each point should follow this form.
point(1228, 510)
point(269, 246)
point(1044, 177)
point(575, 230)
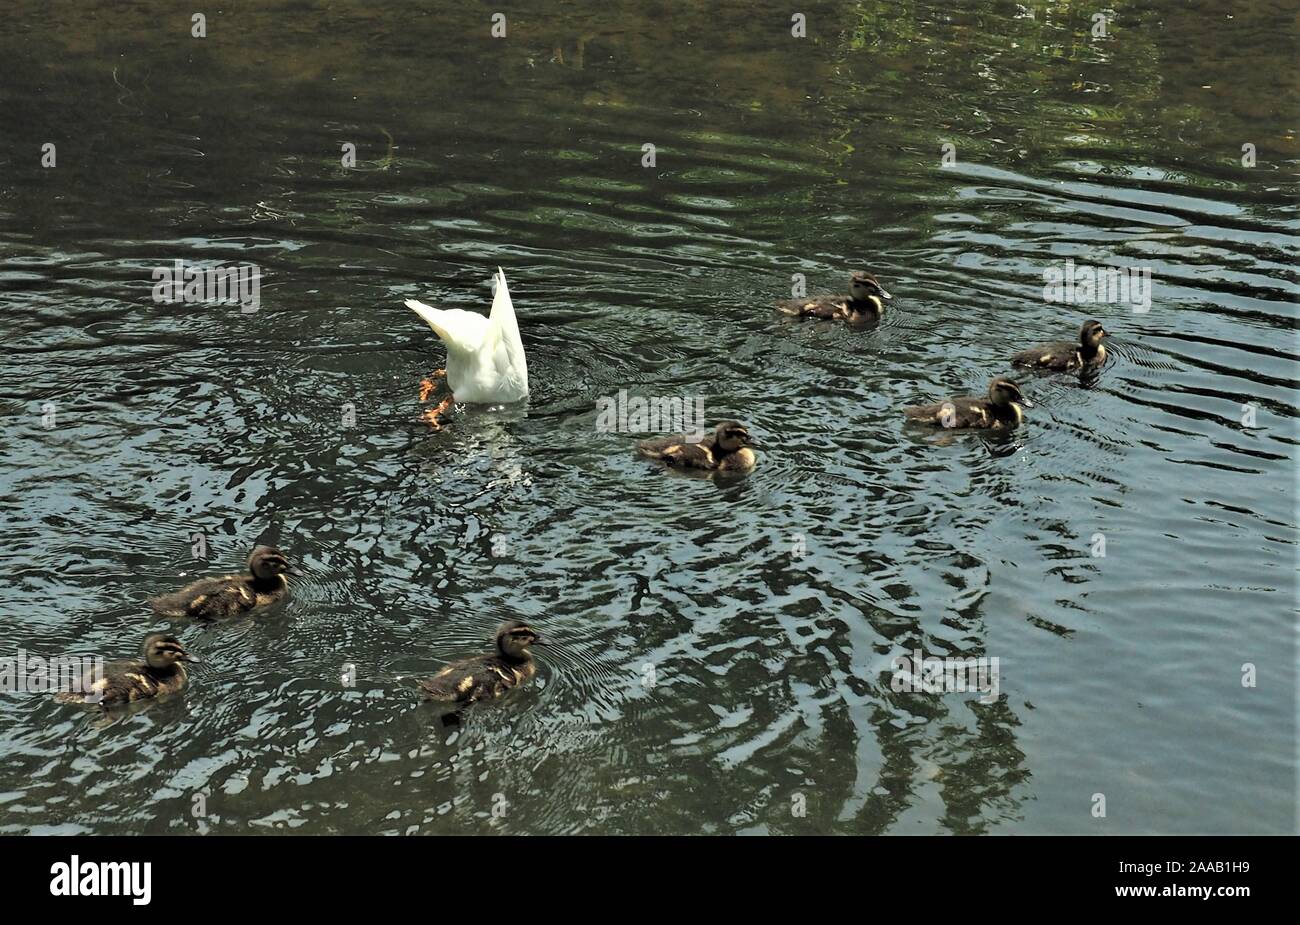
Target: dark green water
point(1119, 675)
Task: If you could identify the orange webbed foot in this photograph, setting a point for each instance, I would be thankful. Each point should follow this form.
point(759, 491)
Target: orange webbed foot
point(427, 385)
point(431, 416)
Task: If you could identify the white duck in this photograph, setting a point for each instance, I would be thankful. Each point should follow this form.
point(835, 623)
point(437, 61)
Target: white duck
point(485, 356)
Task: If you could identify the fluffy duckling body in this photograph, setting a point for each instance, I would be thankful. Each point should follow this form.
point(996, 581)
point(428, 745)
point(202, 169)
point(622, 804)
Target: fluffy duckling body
point(231, 595)
point(1002, 409)
point(487, 677)
point(160, 672)
point(727, 449)
point(1063, 355)
point(485, 356)
point(865, 302)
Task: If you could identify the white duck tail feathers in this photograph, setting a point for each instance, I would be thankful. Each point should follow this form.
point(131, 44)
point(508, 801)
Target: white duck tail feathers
point(503, 310)
point(504, 330)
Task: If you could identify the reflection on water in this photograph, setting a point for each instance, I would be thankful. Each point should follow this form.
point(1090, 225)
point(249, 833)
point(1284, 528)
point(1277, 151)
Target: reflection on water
point(724, 647)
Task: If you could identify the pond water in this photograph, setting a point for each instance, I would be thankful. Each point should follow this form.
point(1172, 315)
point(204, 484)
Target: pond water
point(723, 650)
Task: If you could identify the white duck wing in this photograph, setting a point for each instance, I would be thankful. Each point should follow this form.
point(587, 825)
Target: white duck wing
point(455, 327)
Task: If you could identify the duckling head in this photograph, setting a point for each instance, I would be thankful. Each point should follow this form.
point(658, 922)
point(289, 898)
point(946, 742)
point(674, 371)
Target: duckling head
point(730, 436)
point(514, 637)
point(162, 652)
point(1091, 333)
point(267, 562)
point(863, 287)
point(1003, 392)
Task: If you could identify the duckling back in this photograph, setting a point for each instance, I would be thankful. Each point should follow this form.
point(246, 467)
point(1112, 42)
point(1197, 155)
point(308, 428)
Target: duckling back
point(966, 412)
point(127, 684)
point(220, 598)
point(677, 450)
point(485, 677)
point(129, 681)
point(1056, 356)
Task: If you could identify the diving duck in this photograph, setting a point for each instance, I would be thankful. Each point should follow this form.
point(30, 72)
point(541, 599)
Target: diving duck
point(1064, 355)
point(486, 677)
point(231, 595)
point(1003, 409)
point(161, 671)
point(485, 356)
point(865, 302)
point(727, 449)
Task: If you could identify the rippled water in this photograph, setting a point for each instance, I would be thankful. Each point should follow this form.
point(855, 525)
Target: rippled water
point(706, 678)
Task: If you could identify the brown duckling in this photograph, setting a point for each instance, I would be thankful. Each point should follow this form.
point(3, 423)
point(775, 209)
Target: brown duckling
point(865, 302)
point(231, 595)
point(486, 677)
point(1063, 355)
point(160, 672)
point(727, 449)
point(1003, 409)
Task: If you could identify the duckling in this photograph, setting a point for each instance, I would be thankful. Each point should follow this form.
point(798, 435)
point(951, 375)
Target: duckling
point(1003, 409)
point(727, 449)
point(485, 356)
point(486, 677)
point(1063, 355)
point(231, 595)
point(865, 302)
point(160, 672)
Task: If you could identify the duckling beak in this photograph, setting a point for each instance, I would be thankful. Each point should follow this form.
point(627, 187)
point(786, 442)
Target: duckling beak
point(885, 295)
point(1024, 402)
point(186, 657)
point(296, 572)
point(539, 641)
